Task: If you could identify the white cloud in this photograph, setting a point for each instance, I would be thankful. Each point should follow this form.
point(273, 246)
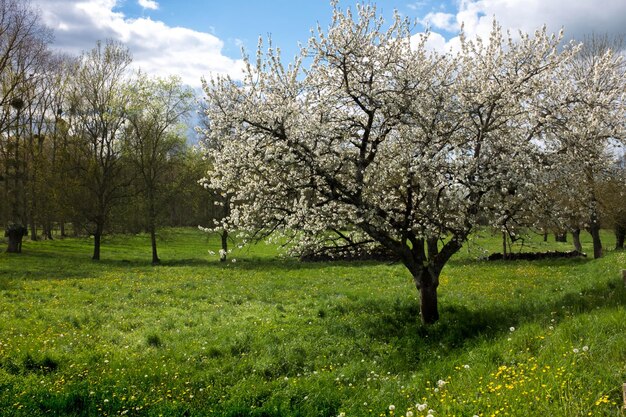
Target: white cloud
point(435, 41)
point(439, 20)
point(578, 18)
point(157, 48)
point(149, 4)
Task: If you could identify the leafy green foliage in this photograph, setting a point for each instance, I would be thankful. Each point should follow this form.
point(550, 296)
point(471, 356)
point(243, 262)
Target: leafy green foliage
point(266, 336)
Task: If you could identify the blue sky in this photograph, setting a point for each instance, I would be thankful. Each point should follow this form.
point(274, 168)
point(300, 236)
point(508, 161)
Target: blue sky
point(200, 38)
point(239, 22)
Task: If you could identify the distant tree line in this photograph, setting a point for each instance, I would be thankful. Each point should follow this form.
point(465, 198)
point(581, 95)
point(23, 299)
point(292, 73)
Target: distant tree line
point(88, 146)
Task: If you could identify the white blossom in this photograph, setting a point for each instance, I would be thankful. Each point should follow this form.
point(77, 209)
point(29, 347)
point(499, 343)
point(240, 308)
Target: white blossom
point(380, 142)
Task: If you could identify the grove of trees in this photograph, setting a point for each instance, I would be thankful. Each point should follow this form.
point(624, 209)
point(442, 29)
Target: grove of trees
point(88, 145)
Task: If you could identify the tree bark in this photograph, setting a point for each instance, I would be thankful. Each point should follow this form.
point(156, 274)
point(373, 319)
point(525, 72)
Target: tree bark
point(429, 310)
point(155, 256)
point(576, 239)
point(594, 230)
point(15, 244)
point(96, 243)
point(504, 255)
point(15, 235)
point(153, 242)
point(620, 236)
point(47, 231)
point(427, 280)
point(224, 252)
point(33, 229)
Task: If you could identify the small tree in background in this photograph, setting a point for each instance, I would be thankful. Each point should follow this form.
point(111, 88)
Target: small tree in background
point(588, 126)
point(155, 111)
point(100, 96)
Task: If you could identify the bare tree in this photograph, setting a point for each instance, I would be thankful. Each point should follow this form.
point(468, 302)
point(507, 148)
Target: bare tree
point(155, 111)
point(99, 101)
point(23, 52)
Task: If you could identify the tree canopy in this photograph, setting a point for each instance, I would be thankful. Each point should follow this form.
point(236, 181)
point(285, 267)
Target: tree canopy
point(369, 137)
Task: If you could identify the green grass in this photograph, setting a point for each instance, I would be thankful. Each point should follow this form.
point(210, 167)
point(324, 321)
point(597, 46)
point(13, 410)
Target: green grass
point(267, 336)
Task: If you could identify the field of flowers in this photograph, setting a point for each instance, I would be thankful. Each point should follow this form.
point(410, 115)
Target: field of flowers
point(268, 336)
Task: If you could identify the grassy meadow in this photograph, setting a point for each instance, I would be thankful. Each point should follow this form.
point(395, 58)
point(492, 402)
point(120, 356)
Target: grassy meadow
point(269, 336)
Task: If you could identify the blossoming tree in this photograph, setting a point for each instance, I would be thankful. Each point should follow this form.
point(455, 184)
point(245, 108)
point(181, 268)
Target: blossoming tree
point(589, 125)
point(380, 140)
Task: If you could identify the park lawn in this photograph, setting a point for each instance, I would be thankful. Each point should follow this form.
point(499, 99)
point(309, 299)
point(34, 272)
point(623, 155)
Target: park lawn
point(270, 336)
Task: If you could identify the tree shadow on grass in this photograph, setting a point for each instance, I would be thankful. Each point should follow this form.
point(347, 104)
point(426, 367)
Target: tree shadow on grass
point(461, 327)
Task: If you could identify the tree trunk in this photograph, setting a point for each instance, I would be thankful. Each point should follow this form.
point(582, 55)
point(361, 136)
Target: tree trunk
point(15, 235)
point(47, 231)
point(224, 251)
point(620, 236)
point(62, 227)
point(33, 229)
point(545, 236)
point(576, 239)
point(152, 214)
point(428, 304)
point(155, 257)
point(594, 229)
point(96, 243)
point(504, 239)
point(427, 280)
point(15, 244)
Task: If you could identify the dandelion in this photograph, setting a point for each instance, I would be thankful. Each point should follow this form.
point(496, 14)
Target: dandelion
point(409, 414)
point(422, 407)
point(431, 411)
point(466, 366)
point(234, 260)
point(512, 329)
point(585, 348)
point(576, 350)
point(211, 252)
point(441, 383)
point(392, 407)
point(342, 414)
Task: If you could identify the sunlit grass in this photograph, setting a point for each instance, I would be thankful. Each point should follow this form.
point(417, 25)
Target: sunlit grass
point(268, 336)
